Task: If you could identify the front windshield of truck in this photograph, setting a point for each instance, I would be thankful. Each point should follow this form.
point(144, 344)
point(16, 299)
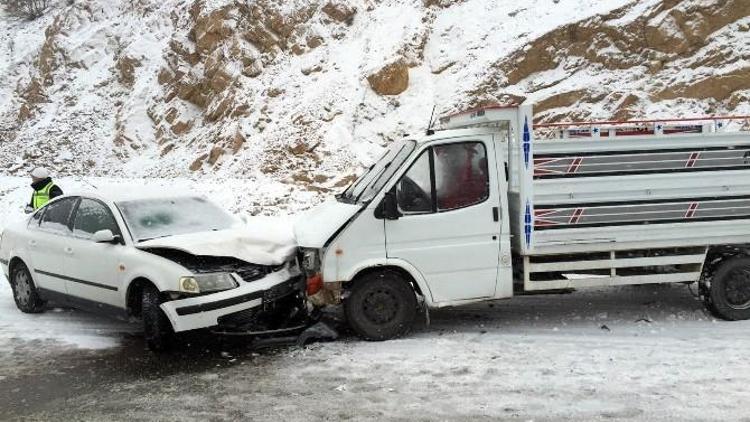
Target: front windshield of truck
point(372, 181)
point(154, 218)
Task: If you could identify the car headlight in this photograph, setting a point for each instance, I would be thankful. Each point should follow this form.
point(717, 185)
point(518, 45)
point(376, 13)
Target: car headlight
point(310, 259)
point(205, 283)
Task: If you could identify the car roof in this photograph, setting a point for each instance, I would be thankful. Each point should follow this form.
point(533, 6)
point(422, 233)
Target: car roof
point(120, 194)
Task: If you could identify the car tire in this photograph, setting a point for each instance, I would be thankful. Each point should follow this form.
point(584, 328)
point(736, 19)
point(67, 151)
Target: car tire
point(156, 326)
point(25, 292)
point(729, 293)
point(381, 306)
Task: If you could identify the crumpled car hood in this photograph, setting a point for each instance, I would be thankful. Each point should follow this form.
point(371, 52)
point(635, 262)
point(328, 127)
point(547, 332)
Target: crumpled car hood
point(242, 242)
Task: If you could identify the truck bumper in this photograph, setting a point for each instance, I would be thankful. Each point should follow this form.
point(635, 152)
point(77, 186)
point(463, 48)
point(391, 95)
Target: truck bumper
point(205, 311)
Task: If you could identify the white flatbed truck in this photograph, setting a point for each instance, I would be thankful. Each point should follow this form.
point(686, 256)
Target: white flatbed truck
point(483, 210)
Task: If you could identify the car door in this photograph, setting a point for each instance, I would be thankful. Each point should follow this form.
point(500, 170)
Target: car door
point(449, 227)
point(47, 245)
point(97, 273)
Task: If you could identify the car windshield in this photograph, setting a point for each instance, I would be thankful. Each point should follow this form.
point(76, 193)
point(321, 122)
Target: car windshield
point(154, 218)
point(372, 181)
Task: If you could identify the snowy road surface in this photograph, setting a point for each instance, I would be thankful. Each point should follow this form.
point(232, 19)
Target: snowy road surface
point(629, 353)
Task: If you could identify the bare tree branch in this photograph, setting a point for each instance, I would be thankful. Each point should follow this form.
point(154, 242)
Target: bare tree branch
point(28, 9)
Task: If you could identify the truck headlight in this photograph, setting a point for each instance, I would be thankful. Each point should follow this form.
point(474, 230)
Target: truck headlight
point(206, 283)
point(310, 259)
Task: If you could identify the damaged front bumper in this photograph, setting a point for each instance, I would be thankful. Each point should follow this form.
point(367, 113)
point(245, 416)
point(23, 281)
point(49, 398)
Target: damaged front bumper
point(207, 310)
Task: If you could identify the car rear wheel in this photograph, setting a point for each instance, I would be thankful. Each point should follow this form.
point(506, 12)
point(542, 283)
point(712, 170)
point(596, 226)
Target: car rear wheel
point(381, 306)
point(729, 294)
point(156, 326)
point(24, 291)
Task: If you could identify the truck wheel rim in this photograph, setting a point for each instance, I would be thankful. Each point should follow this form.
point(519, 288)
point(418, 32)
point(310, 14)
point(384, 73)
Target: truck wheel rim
point(380, 306)
point(737, 289)
point(23, 287)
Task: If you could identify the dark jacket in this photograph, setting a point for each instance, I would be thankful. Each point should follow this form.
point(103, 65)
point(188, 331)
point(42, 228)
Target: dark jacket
point(53, 193)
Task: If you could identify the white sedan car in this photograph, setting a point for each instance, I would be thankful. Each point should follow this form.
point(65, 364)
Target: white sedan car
point(178, 263)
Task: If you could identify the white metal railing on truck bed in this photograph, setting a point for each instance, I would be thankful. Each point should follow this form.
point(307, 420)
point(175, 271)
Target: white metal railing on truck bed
point(650, 195)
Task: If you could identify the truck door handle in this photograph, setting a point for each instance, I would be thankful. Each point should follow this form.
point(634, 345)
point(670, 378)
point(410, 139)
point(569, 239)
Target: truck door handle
point(69, 250)
point(496, 213)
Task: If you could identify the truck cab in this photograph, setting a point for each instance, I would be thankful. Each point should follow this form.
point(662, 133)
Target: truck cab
point(432, 213)
point(481, 209)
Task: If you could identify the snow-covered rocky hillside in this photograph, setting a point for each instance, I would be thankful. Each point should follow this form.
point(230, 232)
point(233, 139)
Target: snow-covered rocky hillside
point(302, 93)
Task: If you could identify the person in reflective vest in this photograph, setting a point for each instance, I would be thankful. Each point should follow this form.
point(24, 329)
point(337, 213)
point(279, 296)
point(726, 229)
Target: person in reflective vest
point(44, 189)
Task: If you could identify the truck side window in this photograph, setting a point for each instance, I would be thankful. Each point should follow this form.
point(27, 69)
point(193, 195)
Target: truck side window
point(414, 190)
point(461, 175)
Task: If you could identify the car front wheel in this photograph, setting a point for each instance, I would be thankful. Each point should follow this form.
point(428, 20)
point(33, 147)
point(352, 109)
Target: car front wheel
point(156, 326)
point(24, 291)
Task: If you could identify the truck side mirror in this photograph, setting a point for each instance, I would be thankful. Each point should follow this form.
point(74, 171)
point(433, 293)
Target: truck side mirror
point(388, 207)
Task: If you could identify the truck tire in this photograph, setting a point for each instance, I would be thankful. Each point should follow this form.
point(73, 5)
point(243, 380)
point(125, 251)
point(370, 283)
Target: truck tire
point(729, 294)
point(381, 306)
point(156, 326)
point(24, 291)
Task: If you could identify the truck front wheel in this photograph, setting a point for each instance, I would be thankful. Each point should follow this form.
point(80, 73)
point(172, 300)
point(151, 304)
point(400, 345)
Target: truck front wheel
point(381, 306)
point(730, 290)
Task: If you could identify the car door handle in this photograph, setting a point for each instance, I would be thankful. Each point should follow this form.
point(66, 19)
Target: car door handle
point(32, 243)
point(69, 251)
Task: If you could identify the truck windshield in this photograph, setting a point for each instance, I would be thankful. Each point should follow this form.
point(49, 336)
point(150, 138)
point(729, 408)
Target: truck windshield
point(372, 181)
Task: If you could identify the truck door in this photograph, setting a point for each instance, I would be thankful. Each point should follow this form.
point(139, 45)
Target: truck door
point(449, 226)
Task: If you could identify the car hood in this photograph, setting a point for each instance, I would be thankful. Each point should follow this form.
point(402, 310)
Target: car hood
point(242, 242)
point(316, 226)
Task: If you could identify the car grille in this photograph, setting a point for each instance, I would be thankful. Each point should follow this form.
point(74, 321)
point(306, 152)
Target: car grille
point(235, 319)
point(252, 273)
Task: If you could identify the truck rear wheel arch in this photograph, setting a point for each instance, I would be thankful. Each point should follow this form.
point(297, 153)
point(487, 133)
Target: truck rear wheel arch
point(719, 254)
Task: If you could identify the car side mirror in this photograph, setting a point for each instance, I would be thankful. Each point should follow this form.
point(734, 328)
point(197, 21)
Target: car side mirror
point(105, 236)
point(388, 207)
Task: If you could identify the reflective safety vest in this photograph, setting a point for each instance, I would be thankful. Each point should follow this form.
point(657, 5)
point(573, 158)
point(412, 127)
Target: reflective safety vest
point(41, 196)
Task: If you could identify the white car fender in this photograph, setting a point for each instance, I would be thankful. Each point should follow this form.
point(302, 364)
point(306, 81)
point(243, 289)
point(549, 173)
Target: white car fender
point(18, 252)
point(165, 276)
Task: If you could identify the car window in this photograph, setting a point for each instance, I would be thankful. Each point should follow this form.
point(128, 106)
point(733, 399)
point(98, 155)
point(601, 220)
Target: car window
point(36, 218)
point(461, 175)
point(92, 216)
point(57, 216)
point(414, 190)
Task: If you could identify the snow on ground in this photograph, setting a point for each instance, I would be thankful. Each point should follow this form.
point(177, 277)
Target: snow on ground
point(627, 353)
point(63, 326)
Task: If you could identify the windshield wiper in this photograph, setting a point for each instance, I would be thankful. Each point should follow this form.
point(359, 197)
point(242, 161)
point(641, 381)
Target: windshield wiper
point(146, 239)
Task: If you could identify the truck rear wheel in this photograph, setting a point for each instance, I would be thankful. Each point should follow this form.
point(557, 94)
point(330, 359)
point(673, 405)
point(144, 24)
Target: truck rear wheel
point(381, 306)
point(156, 326)
point(729, 294)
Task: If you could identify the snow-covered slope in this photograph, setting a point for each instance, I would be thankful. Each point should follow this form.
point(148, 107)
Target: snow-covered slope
point(303, 93)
